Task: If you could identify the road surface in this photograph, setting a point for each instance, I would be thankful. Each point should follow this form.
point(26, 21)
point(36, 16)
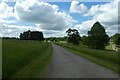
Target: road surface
point(64, 64)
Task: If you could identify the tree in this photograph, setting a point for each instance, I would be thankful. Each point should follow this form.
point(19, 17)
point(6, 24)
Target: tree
point(36, 35)
point(31, 35)
point(63, 38)
point(85, 40)
point(98, 38)
point(116, 38)
point(25, 35)
point(73, 36)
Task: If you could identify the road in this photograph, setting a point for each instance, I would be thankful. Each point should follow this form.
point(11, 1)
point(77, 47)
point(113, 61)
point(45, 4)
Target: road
point(64, 64)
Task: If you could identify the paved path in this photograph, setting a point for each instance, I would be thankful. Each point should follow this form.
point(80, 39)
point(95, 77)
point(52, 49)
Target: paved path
point(64, 64)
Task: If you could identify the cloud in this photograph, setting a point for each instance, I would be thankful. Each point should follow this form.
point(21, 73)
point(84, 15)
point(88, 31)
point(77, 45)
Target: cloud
point(106, 14)
point(53, 33)
point(52, 21)
point(14, 30)
point(85, 26)
point(77, 8)
point(45, 15)
point(5, 11)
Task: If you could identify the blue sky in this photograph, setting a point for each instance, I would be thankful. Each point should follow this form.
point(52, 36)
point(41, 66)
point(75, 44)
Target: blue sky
point(53, 18)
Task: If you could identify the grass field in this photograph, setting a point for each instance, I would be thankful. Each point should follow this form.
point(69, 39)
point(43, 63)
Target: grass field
point(25, 59)
point(106, 58)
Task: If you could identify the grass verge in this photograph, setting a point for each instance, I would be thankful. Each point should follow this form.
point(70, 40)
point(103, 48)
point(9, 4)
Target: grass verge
point(36, 68)
point(25, 59)
point(105, 58)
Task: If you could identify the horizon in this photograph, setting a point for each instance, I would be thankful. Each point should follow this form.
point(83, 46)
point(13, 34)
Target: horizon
point(54, 18)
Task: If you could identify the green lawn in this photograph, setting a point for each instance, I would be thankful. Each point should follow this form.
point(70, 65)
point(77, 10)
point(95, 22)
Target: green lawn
point(25, 59)
point(105, 58)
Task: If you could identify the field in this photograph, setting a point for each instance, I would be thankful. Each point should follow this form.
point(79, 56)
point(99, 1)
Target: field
point(29, 59)
point(109, 59)
point(25, 59)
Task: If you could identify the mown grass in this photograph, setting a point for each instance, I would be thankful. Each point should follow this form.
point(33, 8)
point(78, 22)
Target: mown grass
point(109, 59)
point(23, 59)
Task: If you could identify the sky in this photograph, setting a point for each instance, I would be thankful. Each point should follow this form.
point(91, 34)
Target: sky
point(54, 18)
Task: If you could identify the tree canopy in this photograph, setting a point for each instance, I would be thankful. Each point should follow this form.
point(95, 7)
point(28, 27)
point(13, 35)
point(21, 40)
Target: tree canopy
point(73, 36)
point(32, 35)
point(97, 36)
point(116, 39)
point(85, 40)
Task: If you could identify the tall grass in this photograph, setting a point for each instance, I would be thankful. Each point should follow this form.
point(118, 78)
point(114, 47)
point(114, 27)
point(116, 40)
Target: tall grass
point(106, 58)
point(17, 54)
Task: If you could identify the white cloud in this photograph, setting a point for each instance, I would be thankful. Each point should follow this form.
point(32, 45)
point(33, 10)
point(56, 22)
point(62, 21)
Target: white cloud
point(53, 33)
point(45, 15)
point(6, 11)
point(106, 14)
point(77, 8)
point(93, 10)
point(47, 18)
point(52, 22)
point(84, 27)
point(3, 21)
point(14, 30)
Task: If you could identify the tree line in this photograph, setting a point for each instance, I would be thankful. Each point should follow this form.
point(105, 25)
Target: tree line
point(96, 38)
point(32, 35)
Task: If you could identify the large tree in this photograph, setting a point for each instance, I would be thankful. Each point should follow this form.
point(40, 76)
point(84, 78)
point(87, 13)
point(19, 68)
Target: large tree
point(32, 35)
point(73, 36)
point(116, 38)
point(98, 38)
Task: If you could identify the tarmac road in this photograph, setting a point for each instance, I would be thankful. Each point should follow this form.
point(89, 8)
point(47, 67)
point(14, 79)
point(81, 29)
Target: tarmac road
point(64, 64)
